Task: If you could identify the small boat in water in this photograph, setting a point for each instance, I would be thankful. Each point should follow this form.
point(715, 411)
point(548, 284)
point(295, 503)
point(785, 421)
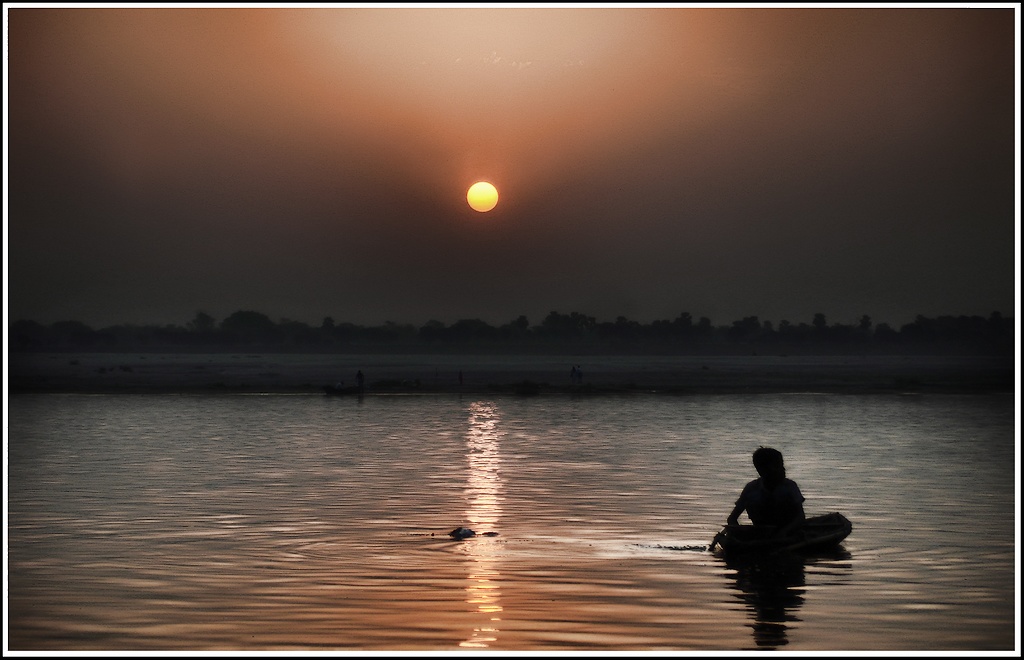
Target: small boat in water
point(817, 534)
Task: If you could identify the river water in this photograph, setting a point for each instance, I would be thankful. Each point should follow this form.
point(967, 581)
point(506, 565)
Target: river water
point(312, 523)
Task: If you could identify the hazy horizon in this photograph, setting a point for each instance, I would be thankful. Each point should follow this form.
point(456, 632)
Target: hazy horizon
point(533, 320)
point(650, 161)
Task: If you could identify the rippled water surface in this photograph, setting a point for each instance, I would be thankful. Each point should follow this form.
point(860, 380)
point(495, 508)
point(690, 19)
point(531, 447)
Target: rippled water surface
point(145, 522)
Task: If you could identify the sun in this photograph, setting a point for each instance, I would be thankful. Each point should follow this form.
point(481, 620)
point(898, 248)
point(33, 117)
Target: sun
point(482, 196)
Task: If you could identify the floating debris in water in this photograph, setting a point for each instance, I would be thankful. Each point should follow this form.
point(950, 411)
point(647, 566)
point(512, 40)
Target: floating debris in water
point(684, 548)
point(465, 533)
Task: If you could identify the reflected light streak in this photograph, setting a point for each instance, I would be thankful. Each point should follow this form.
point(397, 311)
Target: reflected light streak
point(483, 491)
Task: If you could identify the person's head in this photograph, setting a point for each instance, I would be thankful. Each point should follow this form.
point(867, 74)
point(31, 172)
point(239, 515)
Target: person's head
point(768, 463)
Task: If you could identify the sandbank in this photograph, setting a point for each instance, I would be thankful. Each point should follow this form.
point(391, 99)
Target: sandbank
point(438, 374)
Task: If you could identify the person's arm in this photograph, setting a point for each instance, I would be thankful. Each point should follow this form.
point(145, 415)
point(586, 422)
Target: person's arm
point(741, 506)
point(734, 517)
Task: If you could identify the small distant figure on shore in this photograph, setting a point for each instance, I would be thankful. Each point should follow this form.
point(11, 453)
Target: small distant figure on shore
point(360, 379)
point(771, 500)
point(576, 375)
point(460, 376)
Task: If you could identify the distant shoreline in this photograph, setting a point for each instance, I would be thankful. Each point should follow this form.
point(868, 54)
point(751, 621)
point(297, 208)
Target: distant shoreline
point(504, 374)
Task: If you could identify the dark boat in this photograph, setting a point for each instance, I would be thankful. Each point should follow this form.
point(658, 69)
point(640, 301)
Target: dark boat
point(339, 390)
point(817, 534)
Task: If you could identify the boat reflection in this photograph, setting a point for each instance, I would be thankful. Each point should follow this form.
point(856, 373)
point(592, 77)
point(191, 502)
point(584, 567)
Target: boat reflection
point(773, 590)
point(484, 495)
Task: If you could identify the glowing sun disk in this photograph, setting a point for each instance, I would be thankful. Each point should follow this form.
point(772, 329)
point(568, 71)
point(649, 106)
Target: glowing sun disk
point(482, 196)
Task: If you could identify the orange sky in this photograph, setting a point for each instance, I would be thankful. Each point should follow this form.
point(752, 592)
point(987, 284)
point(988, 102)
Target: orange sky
point(313, 162)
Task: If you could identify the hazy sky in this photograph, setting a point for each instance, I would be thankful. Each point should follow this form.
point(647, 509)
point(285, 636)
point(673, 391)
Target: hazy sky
point(312, 162)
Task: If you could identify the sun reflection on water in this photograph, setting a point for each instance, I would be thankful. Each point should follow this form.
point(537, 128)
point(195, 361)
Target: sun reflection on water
point(484, 495)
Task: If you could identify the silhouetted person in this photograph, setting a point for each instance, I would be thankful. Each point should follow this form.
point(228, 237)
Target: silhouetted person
point(771, 500)
point(360, 379)
point(460, 376)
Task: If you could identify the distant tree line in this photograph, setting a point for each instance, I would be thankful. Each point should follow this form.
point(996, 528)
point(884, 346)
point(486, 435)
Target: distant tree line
point(577, 333)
